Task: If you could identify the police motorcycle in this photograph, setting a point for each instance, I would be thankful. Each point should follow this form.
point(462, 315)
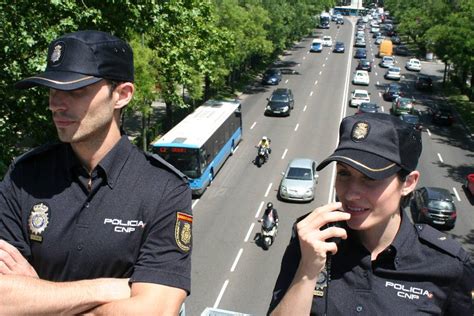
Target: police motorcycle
point(262, 156)
point(268, 231)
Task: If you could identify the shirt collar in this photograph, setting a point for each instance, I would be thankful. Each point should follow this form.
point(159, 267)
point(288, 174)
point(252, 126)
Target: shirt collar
point(114, 161)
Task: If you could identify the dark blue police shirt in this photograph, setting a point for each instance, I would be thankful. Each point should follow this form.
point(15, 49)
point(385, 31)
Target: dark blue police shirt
point(423, 272)
point(133, 221)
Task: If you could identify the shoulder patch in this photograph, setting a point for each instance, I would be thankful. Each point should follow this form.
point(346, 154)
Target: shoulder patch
point(167, 165)
point(440, 240)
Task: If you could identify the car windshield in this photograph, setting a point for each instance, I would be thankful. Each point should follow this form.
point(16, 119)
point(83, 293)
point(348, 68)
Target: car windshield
point(394, 69)
point(295, 173)
point(368, 106)
point(405, 102)
point(411, 119)
point(441, 205)
point(279, 98)
point(361, 95)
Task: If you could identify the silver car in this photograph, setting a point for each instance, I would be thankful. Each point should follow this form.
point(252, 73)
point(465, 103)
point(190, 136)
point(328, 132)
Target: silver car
point(299, 180)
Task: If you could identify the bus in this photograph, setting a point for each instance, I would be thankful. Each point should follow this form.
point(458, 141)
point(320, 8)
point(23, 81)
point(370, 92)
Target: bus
point(200, 144)
point(324, 20)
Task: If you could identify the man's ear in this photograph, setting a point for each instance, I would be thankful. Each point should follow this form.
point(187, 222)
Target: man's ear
point(410, 182)
point(125, 92)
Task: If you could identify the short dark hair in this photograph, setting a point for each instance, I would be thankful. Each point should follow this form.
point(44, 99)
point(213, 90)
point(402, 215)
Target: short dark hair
point(113, 84)
point(402, 175)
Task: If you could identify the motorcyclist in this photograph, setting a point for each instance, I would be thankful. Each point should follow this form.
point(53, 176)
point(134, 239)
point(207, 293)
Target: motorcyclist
point(270, 213)
point(265, 144)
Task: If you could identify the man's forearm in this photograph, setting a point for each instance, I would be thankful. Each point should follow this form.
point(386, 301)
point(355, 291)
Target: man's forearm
point(30, 296)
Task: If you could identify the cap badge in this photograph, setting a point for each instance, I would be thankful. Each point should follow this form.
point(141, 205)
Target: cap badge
point(38, 221)
point(57, 53)
point(183, 231)
point(360, 131)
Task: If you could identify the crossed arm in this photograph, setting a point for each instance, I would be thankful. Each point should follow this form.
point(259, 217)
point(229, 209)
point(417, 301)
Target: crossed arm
point(24, 293)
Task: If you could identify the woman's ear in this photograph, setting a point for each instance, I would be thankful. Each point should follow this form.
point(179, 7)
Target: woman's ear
point(410, 183)
point(125, 92)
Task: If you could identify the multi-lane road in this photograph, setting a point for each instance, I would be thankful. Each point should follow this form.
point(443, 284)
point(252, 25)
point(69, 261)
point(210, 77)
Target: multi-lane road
point(230, 271)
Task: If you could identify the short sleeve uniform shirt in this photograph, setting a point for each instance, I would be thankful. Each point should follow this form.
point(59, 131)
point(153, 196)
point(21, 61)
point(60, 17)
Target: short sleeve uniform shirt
point(131, 218)
point(423, 272)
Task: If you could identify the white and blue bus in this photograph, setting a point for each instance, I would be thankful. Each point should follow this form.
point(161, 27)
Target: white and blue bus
point(199, 145)
point(324, 20)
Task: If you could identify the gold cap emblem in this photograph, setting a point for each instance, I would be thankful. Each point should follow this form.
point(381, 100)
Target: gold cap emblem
point(360, 131)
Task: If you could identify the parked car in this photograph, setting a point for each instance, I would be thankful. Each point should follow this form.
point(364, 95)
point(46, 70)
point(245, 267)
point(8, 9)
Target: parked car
point(339, 47)
point(441, 114)
point(364, 64)
point(434, 206)
point(316, 46)
point(396, 39)
point(374, 29)
point(376, 34)
point(272, 76)
point(392, 91)
point(299, 180)
point(360, 42)
point(413, 64)
point(360, 53)
point(413, 120)
point(401, 50)
point(393, 73)
point(359, 96)
point(327, 41)
point(281, 102)
point(387, 61)
point(361, 77)
point(368, 107)
point(402, 105)
point(423, 82)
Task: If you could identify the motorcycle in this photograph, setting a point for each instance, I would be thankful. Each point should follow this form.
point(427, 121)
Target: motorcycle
point(262, 156)
point(268, 232)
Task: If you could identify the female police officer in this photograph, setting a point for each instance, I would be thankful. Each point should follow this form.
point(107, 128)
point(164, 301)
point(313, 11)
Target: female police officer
point(384, 264)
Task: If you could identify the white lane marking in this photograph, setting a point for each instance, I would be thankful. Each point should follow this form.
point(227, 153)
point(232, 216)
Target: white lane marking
point(304, 57)
point(253, 125)
point(299, 64)
point(311, 93)
point(428, 131)
point(440, 158)
point(284, 153)
point(235, 149)
point(268, 189)
point(259, 209)
point(456, 193)
point(381, 108)
point(221, 293)
point(307, 53)
point(327, 57)
point(194, 204)
point(249, 232)
point(316, 82)
point(320, 72)
point(296, 127)
point(286, 81)
point(236, 260)
point(380, 94)
point(324, 65)
point(304, 109)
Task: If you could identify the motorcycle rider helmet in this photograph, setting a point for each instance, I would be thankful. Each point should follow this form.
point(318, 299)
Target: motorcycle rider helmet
point(269, 205)
point(264, 138)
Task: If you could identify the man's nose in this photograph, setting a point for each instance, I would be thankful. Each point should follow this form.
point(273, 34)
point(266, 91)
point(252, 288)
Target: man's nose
point(57, 100)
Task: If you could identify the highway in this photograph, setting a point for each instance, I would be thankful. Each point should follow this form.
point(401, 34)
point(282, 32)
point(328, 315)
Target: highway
point(230, 270)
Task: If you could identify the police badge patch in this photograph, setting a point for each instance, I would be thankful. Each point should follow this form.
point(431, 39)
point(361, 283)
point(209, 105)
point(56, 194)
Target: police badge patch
point(360, 131)
point(321, 284)
point(182, 232)
point(57, 53)
point(38, 221)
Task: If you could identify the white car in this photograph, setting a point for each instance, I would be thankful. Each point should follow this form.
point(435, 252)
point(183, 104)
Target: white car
point(393, 73)
point(327, 41)
point(413, 65)
point(387, 61)
point(375, 29)
point(361, 77)
point(359, 96)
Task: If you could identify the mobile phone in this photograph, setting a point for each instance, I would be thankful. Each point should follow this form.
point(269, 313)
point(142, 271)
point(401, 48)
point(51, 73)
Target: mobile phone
point(341, 224)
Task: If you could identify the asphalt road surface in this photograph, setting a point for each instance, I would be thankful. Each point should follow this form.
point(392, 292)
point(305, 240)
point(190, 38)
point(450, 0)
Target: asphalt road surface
point(230, 270)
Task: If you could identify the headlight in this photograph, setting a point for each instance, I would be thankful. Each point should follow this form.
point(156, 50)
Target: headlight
point(268, 107)
point(309, 191)
point(286, 108)
point(283, 189)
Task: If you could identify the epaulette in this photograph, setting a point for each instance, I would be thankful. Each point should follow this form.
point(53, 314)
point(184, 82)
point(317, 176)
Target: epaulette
point(167, 165)
point(441, 241)
point(35, 152)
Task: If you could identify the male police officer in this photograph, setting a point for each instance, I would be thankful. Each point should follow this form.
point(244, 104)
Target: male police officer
point(92, 223)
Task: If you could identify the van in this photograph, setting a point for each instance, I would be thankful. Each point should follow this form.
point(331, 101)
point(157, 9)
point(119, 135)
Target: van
point(385, 48)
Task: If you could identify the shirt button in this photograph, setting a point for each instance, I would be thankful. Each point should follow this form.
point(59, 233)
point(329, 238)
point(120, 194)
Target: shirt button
point(359, 309)
point(366, 274)
point(79, 247)
point(87, 205)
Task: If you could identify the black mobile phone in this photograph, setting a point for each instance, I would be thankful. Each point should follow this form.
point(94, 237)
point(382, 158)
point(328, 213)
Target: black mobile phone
point(341, 224)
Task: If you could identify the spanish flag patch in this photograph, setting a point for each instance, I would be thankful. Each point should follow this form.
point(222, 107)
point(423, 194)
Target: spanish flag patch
point(183, 231)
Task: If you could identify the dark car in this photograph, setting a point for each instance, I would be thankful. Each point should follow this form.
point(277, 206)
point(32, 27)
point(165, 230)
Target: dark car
point(339, 20)
point(339, 47)
point(441, 114)
point(360, 53)
point(401, 50)
point(392, 91)
point(271, 76)
point(396, 39)
point(376, 34)
point(281, 102)
point(412, 120)
point(364, 64)
point(367, 107)
point(434, 206)
point(423, 82)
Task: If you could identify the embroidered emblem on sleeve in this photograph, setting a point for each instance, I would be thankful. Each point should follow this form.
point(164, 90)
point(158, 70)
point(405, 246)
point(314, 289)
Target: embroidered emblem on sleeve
point(182, 232)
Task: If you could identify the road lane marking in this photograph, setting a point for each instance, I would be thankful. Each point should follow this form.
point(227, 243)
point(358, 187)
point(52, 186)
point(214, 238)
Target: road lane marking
point(259, 209)
point(327, 57)
point(286, 81)
point(236, 260)
point(253, 125)
point(268, 189)
point(249, 232)
point(221, 293)
point(324, 65)
point(320, 72)
point(194, 204)
point(380, 94)
point(383, 110)
point(311, 94)
point(296, 127)
point(235, 149)
point(316, 82)
point(284, 153)
point(304, 109)
point(428, 131)
point(440, 158)
point(304, 57)
point(456, 193)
